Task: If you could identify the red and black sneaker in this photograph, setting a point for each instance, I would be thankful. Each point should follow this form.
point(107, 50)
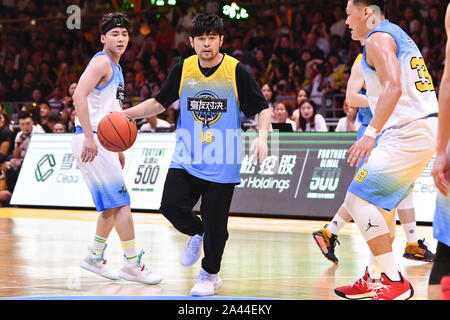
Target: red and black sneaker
point(357, 290)
point(445, 287)
point(386, 289)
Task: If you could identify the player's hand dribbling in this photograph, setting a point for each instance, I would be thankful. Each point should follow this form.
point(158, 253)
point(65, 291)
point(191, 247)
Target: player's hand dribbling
point(362, 147)
point(90, 149)
point(440, 172)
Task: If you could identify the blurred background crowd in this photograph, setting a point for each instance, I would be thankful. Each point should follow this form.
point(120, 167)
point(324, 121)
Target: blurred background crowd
point(300, 52)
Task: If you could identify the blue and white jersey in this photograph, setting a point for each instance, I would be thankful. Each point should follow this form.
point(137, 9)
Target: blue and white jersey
point(418, 97)
point(103, 176)
point(105, 99)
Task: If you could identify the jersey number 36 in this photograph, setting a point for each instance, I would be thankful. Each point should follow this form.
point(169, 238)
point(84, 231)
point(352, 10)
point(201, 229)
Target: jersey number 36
point(425, 83)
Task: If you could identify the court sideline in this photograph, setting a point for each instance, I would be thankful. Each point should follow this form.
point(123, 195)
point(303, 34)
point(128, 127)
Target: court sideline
point(40, 250)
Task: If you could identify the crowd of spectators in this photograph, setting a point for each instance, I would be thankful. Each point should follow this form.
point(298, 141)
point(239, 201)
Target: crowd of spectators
point(299, 51)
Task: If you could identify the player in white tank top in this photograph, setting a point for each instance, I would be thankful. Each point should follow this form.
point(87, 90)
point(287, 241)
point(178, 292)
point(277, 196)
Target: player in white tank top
point(105, 98)
point(406, 121)
point(418, 97)
point(100, 91)
point(326, 238)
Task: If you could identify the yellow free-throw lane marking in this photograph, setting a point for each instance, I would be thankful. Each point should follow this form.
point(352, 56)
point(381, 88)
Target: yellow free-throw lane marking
point(240, 223)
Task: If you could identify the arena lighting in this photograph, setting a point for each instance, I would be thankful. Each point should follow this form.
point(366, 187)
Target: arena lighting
point(163, 2)
point(127, 5)
point(130, 4)
point(234, 11)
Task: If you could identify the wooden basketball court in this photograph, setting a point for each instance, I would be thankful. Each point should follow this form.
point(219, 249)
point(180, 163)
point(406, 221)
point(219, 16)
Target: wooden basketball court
point(40, 252)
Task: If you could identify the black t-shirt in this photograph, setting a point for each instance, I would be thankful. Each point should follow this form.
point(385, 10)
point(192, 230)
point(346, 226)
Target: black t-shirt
point(5, 134)
point(250, 96)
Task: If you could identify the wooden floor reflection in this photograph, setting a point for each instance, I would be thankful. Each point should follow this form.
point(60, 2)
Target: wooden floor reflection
point(40, 251)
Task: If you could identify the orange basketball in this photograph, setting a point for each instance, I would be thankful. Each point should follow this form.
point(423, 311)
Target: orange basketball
point(116, 132)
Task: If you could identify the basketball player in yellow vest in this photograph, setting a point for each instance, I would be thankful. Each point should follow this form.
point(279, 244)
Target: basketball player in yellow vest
point(213, 88)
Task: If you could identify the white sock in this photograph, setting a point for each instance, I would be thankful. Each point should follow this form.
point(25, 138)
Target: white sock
point(129, 250)
point(336, 224)
point(373, 268)
point(98, 245)
point(387, 264)
point(410, 231)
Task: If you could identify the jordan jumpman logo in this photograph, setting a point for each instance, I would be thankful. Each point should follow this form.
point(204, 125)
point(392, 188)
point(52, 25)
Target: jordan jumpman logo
point(370, 225)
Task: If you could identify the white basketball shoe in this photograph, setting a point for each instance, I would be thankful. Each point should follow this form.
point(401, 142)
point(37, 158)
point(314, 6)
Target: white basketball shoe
point(206, 284)
point(95, 263)
point(192, 250)
point(138, 272)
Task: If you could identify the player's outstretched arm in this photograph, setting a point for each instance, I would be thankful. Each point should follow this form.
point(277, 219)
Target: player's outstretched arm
point(441, 168)
point(356, 81)
point(145, 109)
point(166, 96)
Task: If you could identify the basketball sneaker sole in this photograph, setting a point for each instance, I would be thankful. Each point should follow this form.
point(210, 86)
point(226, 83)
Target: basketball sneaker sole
point(132, 278)
point(93, 269)
point(323, 247)
point(217, 285)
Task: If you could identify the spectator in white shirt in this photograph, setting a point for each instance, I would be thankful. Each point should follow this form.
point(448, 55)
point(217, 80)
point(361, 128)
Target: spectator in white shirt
point(349, 123)
point(282, 115)
point(310, 120)
point(302, 95)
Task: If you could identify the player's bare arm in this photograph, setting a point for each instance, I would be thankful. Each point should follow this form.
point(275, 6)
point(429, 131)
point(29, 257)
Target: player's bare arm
point(441, 168)
point(145, 109)
point(356, 81)
point(96, 74)
point(260, 144)
point(381, 54)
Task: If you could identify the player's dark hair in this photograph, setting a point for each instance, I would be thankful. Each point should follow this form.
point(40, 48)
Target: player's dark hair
point(380, 3)
point(206, 24)
point(113, 20)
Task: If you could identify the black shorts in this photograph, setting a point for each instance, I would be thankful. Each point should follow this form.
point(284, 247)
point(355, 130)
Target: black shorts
point(441, 265)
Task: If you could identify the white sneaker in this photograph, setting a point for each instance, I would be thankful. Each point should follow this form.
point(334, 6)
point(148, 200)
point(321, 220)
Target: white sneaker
point(206, 284)
point(138, 273)
point(95, 263)
point(192, 250)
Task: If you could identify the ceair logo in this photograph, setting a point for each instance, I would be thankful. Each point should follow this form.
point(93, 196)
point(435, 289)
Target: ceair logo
point(44, 167)
point(206, 107)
